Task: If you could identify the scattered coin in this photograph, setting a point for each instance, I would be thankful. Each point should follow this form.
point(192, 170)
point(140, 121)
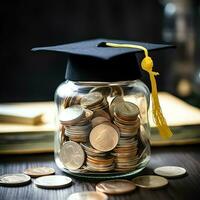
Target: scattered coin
point(39, 171)
point(71, 115)
point(104, 137)
point(118, 186)
point(14, 179)
point(72, 155)
point(150, 181)
point(170, 171)
point(53, 181)
point(88, 196)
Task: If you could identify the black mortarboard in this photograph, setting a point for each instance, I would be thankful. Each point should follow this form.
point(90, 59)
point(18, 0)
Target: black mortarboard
point(92, 60)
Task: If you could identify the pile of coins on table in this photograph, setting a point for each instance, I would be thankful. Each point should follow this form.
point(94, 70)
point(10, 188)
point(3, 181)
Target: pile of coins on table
point(99, 136)
point(44, 177)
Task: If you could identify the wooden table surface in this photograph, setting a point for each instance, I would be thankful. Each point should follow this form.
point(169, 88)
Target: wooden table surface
point(187, 187)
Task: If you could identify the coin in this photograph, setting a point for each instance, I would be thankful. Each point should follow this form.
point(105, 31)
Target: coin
point(104, 90)
point(53, 181)
point(170, 171)
point(88, 196)
point(98, 120)
point(14, 179)
point(72, 155)
point(91, 99)
point(101, 113)
point(114, 102)
point(39, 171)
point(150, 181)
point(117, 186)
point(71, 115)
point(104, 137)
point(127, 110)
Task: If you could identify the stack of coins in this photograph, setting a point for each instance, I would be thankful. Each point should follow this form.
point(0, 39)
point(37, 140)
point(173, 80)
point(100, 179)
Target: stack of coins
point(126, 154)
point(94, 101)
point(100, 164)
point(77, 131)
point(126, 118)
point(107, 134)
point(71, 100)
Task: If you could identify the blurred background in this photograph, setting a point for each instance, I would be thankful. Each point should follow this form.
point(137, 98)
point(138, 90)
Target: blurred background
point(29, 76)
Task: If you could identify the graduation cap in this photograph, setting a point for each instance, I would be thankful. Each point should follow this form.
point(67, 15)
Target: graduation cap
point(112, 60)
point(94, 60)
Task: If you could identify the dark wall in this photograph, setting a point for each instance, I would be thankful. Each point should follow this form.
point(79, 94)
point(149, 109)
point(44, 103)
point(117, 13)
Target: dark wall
point(27, 76)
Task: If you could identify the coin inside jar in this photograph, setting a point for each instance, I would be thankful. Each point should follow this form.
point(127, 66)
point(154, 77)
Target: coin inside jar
point(91, 99)
point(150, 181)
point(126, 110)
point(98, 120)
point(71, 115)
point(104, 137)
point(72, 155)
point(118, 186)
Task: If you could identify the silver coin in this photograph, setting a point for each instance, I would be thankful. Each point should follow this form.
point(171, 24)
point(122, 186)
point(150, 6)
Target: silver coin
point(71, 115)
point(72, 155)
point(53, 181)
point(88, 196)
point(14, 179)
point(170, 171)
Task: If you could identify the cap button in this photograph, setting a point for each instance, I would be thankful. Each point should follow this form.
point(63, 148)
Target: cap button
point(147, 64)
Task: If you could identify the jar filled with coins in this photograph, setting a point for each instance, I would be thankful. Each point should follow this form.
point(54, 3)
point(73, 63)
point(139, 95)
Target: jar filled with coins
point(102, 110)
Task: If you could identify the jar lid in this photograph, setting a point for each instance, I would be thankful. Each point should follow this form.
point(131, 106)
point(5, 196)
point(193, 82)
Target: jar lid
point(93, 60)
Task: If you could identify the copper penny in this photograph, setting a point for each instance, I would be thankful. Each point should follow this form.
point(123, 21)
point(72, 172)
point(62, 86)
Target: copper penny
point(104, 137)
point(118, 186)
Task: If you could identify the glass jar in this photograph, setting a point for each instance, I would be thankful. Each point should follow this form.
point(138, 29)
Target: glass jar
point(106, 134)
point(102, 109)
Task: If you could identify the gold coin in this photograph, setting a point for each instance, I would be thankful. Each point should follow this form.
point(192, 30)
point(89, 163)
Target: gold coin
point(39, 171)
point(71, 115)
point(127, 110)
point(88, 196)
point(98, 120)
point(72, 155)
point(118, 186)
point(104, 137)
point(150, 181)
point(91, 99)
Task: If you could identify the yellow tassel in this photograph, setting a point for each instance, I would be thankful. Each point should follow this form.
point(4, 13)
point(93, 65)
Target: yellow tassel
point(147, 65)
